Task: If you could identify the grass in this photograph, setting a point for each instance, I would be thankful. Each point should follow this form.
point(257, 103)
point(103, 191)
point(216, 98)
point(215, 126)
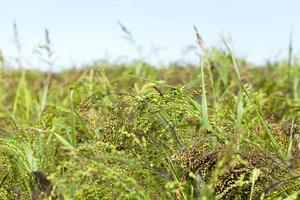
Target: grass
point(222, 130)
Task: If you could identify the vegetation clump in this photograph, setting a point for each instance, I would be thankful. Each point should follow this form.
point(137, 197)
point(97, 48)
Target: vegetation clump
point(225, 130)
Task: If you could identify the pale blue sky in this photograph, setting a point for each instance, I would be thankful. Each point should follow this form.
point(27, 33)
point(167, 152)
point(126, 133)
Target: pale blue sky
point(86, 30)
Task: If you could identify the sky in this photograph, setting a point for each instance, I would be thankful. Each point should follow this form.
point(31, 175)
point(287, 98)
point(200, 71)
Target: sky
point(84, 31)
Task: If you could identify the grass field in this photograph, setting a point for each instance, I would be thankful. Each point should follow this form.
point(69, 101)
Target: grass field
point(222, 130)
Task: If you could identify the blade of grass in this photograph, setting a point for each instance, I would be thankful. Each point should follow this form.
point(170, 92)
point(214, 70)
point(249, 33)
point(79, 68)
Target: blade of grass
point(270, 136)
point(73, 118)
point(205, 121)
point(64, 141)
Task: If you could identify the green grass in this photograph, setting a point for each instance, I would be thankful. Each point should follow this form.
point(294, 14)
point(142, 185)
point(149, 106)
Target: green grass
point(222, 130)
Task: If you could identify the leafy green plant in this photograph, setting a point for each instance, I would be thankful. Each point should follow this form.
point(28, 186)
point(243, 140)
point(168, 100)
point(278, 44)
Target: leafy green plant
point(221, 130)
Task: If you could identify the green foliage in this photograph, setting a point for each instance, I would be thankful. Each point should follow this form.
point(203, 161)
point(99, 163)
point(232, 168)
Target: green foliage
point(225, 130)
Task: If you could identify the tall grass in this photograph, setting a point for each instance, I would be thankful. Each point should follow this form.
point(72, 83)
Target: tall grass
point(221, 130)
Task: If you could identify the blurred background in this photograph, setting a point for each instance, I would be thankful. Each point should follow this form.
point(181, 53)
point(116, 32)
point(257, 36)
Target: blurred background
point(159, 32)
